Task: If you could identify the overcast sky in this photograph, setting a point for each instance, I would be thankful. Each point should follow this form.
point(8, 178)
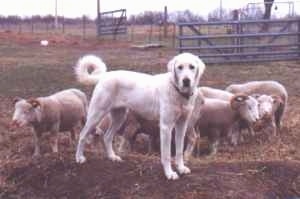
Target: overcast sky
point(77, 8)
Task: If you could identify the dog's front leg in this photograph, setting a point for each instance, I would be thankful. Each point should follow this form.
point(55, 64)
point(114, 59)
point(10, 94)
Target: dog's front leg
point(180, 130)
point(165, 148)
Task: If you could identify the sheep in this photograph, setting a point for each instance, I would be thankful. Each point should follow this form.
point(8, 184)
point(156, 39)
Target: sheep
point(133, 127)
point(62, 111)
point(214, 93)
point(267, 107)
point(218, 118)
point(264, 87)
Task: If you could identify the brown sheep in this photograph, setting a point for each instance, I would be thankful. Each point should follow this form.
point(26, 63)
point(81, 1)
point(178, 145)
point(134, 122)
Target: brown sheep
point(218, 118)
point(61, 111)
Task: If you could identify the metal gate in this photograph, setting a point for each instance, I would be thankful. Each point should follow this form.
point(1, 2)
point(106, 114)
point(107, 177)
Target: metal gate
point(112, 23)
point(242, 41)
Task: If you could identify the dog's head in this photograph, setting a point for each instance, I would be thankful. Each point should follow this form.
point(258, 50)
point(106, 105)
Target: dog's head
point(186, 70)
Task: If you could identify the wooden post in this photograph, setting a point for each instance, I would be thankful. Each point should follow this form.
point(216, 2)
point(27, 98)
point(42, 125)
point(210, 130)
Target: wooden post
point(98, 18)
point(180, 41)
point(83, 26)
point(199, 40)
point(165, 22)
point(150, 33)
point(132, 32)
point(32, 25)
point(174, 35)
point(20, 27)
point(63, 24)
point(299, 38)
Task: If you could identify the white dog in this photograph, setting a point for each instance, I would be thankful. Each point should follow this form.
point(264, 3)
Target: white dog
point(167, 97)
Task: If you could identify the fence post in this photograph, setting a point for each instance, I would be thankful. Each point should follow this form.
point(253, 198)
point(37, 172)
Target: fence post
point(174, 35)
point(150, 33)
point(165, 22)
point(299, 37)
point(63, 24)
point(32, 25)
point(180, 41)
point(131, 32)
point(83, 26)
point(20, 27)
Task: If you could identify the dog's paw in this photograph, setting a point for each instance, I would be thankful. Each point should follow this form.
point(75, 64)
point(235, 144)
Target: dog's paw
point(80, 159)
point(172, 175)
point(115, 158)
point(184, 170)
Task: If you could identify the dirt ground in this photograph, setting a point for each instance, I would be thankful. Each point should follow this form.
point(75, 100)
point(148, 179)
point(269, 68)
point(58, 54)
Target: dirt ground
point(263, 167)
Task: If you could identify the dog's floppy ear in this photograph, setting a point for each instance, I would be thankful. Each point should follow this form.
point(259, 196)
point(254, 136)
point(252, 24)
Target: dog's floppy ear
point(171, 64)
point(34, 102)
point(200, 67)
point(16, 99)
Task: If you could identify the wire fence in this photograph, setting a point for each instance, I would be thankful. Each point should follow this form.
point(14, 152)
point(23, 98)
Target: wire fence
point(137, 34)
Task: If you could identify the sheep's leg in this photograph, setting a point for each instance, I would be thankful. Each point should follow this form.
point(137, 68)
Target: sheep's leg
point(273, 127)
point(180, 130)
point(36, 139)
point(73, 136)
point(214, 138)
point(121, 144)
point(191, 142)
point(150, 144)
point(54, 143)
point(118, 118)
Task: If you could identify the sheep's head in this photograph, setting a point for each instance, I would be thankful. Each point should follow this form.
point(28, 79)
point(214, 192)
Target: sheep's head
point(246, 106)
point(26, 112)
point(267, 105)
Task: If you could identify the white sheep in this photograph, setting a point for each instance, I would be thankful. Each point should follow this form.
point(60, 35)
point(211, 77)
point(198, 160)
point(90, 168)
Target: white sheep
point(267, 88)
point(61, 111)
point(267, 108)
point(214, 93)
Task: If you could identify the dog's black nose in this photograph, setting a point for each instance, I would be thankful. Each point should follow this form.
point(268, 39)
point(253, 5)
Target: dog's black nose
point(186, 82)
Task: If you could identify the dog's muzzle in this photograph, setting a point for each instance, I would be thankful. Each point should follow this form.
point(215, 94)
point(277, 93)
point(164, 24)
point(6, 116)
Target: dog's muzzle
point(186, 82)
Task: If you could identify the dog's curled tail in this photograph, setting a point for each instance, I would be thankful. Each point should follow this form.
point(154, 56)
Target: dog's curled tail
point(88, 69)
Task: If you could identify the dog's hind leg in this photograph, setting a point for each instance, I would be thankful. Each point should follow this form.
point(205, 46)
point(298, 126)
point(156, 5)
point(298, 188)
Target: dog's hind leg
point(93, 119)
point(118, 117)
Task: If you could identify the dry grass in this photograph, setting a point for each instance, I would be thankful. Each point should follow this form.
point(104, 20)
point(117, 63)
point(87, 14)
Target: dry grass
point(259, 168)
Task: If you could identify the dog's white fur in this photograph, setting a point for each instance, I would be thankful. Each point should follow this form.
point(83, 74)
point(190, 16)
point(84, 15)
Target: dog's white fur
point(167, 97)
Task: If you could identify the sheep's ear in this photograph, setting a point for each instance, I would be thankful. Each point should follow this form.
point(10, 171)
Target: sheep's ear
point(34, 102)
point(16, 99)
point(256, 95)
point(237, 100)
point(277, 99)
point(240, 98)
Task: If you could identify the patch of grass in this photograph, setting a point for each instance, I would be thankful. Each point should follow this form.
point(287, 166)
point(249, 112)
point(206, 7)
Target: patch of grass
point(36, 80)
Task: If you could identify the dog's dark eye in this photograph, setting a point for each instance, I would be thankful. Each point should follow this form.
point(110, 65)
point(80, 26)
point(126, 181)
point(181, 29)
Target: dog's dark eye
point(192, 67)
point(180, 67)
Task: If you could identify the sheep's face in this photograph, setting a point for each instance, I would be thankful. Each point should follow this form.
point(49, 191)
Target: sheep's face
point(267, 105)
point(247, 107)
point(186, 70)
point(26, 112)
